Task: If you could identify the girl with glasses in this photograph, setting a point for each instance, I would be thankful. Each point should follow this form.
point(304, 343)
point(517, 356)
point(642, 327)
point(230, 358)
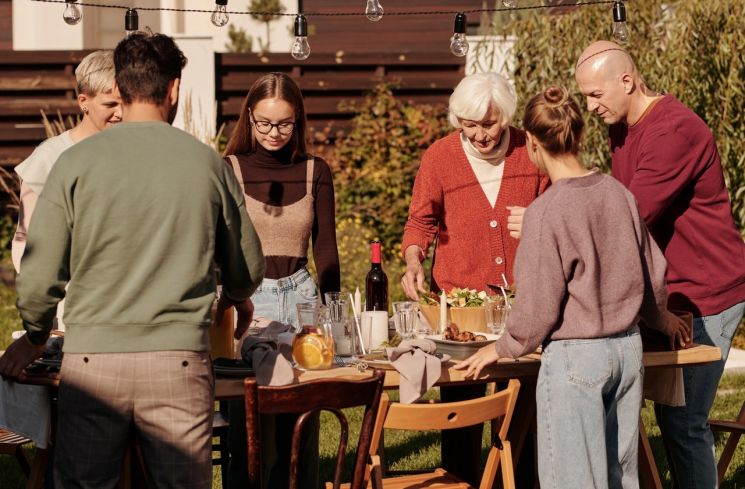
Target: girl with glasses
point(290, 198)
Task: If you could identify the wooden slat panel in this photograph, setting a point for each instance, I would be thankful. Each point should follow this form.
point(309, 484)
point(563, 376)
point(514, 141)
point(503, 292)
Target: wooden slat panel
point(40, 80)
point(30, 106)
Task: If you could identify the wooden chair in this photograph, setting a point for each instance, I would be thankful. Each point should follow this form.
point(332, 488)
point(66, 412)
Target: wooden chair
point(11, 444)
point(220, 427)
point(497, 408)
point(305, 399)
point(736, 429)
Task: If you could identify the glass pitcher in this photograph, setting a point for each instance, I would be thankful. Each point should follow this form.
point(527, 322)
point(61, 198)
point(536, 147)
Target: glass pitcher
point(313, 346)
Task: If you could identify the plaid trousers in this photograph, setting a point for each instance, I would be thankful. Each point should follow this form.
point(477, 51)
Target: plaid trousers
point(164, 398)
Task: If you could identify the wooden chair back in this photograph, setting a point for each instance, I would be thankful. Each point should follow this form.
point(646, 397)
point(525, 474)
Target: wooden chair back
point(735, 428)
point(496, 408)
point(305, 399)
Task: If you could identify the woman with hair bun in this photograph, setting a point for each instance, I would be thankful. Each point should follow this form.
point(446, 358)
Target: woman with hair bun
point(586, 271)
point(470, 192)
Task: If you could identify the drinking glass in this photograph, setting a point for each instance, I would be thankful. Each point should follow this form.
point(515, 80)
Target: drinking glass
point(496, 315)
point(307, 315)
point(341, 326)
point(404, 317)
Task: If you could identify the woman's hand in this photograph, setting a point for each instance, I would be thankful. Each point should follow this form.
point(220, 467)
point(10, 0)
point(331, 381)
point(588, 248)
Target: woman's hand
point(474, 364)
point(515, 220)
point(676, 328)
point(413, 280)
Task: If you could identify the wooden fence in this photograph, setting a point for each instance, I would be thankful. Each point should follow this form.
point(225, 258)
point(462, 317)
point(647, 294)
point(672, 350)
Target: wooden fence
point(43, 80)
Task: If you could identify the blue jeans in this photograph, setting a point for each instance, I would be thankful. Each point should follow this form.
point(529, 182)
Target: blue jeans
point(588, 397)
point(689, 443)
point(276, 299)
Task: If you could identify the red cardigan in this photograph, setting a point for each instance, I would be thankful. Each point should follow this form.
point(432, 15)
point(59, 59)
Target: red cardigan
point(473, 247)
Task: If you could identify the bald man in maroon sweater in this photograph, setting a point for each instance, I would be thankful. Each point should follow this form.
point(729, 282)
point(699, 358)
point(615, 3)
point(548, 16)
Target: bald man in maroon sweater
point(666, 156)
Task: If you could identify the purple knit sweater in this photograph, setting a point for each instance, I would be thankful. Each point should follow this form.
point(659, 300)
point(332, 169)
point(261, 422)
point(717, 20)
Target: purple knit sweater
point(586, 267)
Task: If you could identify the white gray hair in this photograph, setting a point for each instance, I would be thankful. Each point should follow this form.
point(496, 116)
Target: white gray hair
point(476, 93)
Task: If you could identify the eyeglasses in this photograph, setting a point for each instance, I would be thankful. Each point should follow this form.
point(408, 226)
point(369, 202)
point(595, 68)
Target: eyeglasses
point(265, 127)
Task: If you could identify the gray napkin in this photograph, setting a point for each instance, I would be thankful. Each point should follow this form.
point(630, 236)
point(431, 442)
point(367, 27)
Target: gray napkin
point(266, 328)
point(418, 366)
point(270, 361)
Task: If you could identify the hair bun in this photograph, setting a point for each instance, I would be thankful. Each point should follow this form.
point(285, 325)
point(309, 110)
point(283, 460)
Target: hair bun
point(556, 96)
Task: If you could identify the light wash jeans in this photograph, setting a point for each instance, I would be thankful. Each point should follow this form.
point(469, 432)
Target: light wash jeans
point(689, 443)
point(276, 299)
point(588, 398)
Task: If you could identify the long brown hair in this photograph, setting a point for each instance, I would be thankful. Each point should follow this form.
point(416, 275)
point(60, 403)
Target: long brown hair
point(271, 85)
point(554, 118)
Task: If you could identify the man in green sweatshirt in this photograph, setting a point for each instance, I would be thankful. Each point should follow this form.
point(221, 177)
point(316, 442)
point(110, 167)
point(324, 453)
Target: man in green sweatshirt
point(132, 220)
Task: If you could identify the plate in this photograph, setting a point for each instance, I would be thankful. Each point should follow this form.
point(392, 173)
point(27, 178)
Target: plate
point(381, 363)
point(228, 367)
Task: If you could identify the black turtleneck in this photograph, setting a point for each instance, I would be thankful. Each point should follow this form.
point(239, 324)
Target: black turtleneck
point(273, 178)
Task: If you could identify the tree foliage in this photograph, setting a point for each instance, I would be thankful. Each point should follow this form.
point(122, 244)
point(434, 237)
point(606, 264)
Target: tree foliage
point(693, 50)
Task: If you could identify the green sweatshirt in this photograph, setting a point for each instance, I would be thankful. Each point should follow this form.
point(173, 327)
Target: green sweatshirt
point(132, 220)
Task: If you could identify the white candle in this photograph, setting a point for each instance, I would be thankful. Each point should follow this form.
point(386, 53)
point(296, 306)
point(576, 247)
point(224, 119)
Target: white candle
point(357, 301)
point(443, 311)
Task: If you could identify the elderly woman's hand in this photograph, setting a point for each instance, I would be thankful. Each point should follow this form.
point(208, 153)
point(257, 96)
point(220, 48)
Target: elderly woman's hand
point(515, 220)
point(413, 280)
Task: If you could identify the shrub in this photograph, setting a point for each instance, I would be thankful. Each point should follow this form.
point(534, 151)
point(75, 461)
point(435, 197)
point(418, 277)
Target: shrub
point(374, 169)
point(693, 50)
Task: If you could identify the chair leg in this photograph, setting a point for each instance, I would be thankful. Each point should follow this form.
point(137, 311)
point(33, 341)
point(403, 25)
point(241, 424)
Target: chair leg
point(508, 472)
point(726, 457)
point(23, 461)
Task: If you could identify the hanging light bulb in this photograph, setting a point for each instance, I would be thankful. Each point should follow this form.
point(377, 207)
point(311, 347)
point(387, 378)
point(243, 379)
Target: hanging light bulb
point(509, 3)
point(220, 15)
point(620, 30)
point(373, 10)
point(72, 14)
point(458, 43)
point(131, 21)
point(300, 49)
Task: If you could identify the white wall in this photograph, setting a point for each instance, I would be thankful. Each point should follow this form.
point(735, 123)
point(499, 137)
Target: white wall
point(39, 25)
point(197, 88)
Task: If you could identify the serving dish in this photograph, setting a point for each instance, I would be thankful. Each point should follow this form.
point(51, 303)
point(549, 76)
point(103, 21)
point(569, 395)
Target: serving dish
point(460, 350)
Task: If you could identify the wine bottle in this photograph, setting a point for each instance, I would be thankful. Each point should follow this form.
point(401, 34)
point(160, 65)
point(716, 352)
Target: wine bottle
point(376, 283)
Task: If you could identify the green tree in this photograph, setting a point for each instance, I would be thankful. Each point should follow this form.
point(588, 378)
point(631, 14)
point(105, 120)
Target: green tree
point(693, 50)
point(270, 10)
point(239, 40)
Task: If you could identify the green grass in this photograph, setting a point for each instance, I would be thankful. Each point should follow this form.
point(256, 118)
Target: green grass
point(415, 450)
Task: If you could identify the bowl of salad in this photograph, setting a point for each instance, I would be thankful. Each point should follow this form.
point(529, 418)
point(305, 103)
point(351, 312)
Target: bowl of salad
point(465, 309)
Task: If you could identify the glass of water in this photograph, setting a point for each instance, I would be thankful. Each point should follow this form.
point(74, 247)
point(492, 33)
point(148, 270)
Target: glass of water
point(404, 317)
point(496, 315)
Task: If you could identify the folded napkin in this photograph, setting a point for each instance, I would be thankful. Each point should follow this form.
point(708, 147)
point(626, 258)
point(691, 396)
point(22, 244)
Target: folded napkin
point(267, 328)
point(271, 362)
point(418, 366)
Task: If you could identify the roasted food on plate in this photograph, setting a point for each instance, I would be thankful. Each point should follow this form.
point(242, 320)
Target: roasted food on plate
point(453, 333)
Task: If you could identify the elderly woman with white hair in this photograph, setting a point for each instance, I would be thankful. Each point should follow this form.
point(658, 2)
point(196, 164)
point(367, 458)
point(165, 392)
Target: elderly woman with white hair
point(470, 192)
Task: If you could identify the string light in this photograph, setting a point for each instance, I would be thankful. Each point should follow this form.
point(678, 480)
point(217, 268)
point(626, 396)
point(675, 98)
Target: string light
point(620, 30)
point(220, 15)
point(458, 43)
point(131, 21)
point(72, 14)
point(300, 49)
point(373, 10)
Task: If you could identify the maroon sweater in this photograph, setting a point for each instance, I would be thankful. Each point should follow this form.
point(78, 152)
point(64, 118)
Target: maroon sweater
point(669, 161)
point(272, 178)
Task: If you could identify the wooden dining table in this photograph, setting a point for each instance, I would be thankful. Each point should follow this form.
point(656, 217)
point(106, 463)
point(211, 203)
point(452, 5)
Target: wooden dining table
point(461, 449)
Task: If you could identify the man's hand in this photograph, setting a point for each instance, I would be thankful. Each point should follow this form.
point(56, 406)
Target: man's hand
point(18, 356)
point(515, 220)
point(413, 280)
point(476, 362)
point(676, 328)
point(244, 310)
